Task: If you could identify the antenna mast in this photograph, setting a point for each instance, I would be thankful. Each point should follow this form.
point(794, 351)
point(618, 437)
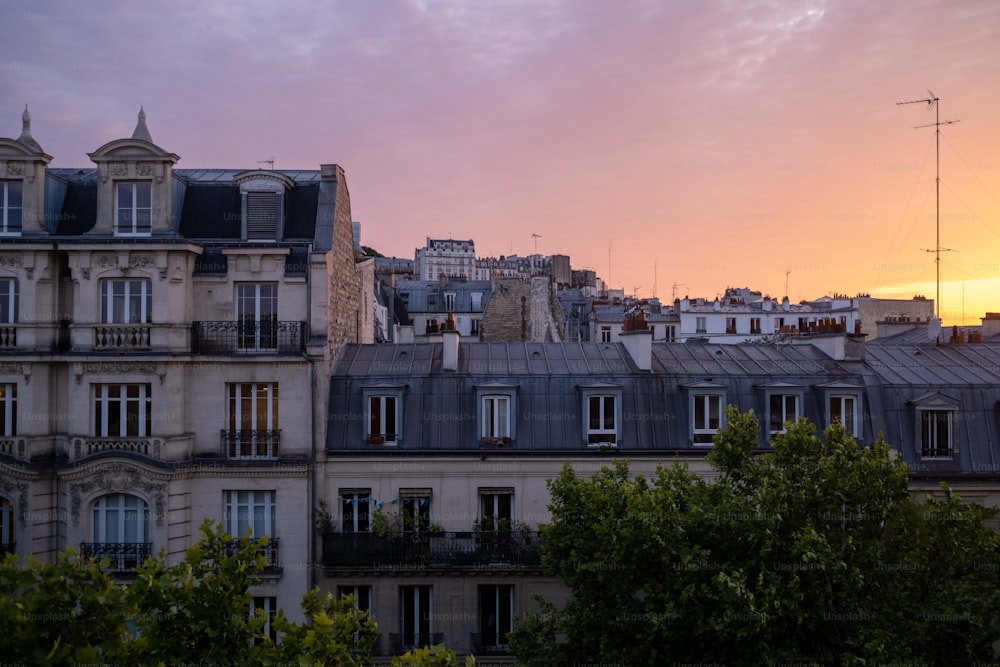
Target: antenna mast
point(269, 162)
point(932, 102)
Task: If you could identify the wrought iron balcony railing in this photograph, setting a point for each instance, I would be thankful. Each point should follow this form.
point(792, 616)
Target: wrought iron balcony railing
point(269, 551)
point(250, 445)
point(403, 642)
point(121, 556)
point(491, 644)
point(122, 337)
point(248, 337)
point(404, 550)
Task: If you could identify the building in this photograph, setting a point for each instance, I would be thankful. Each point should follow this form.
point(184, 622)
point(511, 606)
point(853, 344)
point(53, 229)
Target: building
point(428, 305)
point(166, 335)
point(447, 257)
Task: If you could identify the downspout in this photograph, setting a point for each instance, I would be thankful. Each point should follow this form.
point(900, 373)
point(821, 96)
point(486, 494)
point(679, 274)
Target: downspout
point(311, 539)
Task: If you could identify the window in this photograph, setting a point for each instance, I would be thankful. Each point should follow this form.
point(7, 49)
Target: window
point(122, 410)
point(8, 301)
point(449, 301)
point(6, 526)
point(496, 510)
point(355, 511)
point(414, 616)
point(474, 329)
point(730, 325)
point(250, 512)
point(8, 409)
point(257, 316)
point(496, 616)
point(121, 518)
point(262, 216)
point(605, 334)
point(11, 207)
point(126, 301)
point(416, 510)
point(671, 333)
point(602, 423)
point(134, 208)
point(268, 608)
point(782, 408)
point(843, 409)
point(755, 325)
point(936, 433)
point(477, 301)
point(779, 323)
point(382, 419)
point(253, 430)
point(362, 596)
point(701, 325)
point(496, 418)
point(706, 410)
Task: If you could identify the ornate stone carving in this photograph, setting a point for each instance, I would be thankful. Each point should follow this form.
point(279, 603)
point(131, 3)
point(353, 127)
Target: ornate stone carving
point(144, 169)
point(15, 168)
point(119, 478)
point(85, 272)
point(118, 367)
point(10, 262)
point(107, 261)
point(10, 487)
point(118, 169)
point(139, 261)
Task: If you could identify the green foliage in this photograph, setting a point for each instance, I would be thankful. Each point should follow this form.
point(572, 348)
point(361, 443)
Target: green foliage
point(433, 656)
point(813, 553)
point(335, 632)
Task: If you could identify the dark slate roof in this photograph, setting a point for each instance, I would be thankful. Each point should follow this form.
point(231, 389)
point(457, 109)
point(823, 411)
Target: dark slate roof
point(300, 212)
point(419, 294)
point(968, 364)
point(212, 212)
point(77, 211)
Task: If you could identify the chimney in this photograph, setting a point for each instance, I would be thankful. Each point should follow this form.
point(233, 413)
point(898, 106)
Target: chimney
point(639, 345)
point(991, 325)
point(449, 354)
point(767, 305)
point(785, 305)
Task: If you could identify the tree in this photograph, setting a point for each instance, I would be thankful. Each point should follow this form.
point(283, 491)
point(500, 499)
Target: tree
point(197, 611)
point(816, 552)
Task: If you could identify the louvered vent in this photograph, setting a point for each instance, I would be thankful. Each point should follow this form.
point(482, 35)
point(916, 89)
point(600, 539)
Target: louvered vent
point(262, 215)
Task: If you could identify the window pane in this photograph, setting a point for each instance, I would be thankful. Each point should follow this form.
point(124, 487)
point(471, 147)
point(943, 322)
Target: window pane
point(143, 195)
point(594, 414)
point(609, 413)
point(124, 196)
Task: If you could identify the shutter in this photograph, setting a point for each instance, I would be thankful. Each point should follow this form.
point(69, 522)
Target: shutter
point(262, 215)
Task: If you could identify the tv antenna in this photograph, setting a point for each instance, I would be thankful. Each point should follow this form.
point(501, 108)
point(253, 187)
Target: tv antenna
point(673, 293)
point(269, 162)
point(787, 273)
point(932, 102)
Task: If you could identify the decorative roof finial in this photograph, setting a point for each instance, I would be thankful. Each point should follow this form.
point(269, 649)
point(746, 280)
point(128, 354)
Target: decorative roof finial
point(26, 137)
point(141, 131)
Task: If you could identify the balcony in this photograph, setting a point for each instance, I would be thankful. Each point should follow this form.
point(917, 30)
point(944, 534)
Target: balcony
point(401, 643)
point(519, 550)
point(248, 337)
point(151, 447)
point(269, 551)
point(8, 337)
point(12, 446)
point(119, 557)
point(124, 337)
point(250, 445)
point(487, 645)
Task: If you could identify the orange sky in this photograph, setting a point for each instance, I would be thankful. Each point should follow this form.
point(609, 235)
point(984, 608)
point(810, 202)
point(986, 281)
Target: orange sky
point(724, 143)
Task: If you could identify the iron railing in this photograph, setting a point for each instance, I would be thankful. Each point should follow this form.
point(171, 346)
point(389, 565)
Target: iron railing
point(404, 550)
point(250, 445)
point(120, 556)
point(269, 550)
point(403, 642)
point(491, 644)
point(248, 337)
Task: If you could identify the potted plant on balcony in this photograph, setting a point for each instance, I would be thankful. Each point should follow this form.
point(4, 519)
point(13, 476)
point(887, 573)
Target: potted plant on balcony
point(524, 530)
point(325, 524)
point(490, 442)
point(384, 523)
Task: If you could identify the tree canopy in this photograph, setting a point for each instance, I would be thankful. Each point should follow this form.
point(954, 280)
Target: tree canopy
point(72, 612)
point(814, 553)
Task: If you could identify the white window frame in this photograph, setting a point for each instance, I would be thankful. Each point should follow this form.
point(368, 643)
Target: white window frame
point(605, 334)
point(133, 209)
point(416, 510)
point(126, 292)
point(925, 436)
point(755, 325)
point(8, 409)
point(496, 416)
point(383, 408)
point(121, 510)
point(257, 393)
point(731, 325)
point(7, 226)
point(362, 595)
point(491, 505)
point(504, 614)
point(359, 518)
point(269, 606)
point(257, 304)
point(599, 436)
point(839, 399)
point(701, 324)
point(703, 432)
point(449, 301)
point(8, 300)
point(670, 333)
point(785, 417)
point(241, 512)
point(412, 625)
point(140, 405)
point(379, 393)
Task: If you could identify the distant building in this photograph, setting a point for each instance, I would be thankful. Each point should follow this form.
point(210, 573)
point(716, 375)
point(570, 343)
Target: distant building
point(447, 257)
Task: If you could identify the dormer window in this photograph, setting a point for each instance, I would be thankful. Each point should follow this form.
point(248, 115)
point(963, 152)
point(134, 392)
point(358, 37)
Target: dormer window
point(936, 433)
point(262, 216)
point(134, 208)
point(11, 207)
point(263, 194)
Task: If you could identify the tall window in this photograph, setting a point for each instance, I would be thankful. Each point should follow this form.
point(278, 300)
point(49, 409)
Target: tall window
point(362, 596)
point(602, 422)
point(257, 316)
point(415, 616)
point(356, 511)
point(126, 301)
point(755, 325)
point(706, 418)
point(6, 525)
point(496, 616)
point(496, 417)
point(8, 301)
point(843, 409)
point(449, 301)
point(11, 207)
point(496, 509)
point(670, 333)
point(701, 325)
point(782, 408)
point(605, 334)
point(936, 433)
point(730, 325)
point(121, 518)
point(8, 409)
point(382, 418)
point(416, 511)
point(250, 511)
point(122, 410)
point(134, 208)
point(268, 608)
point(253, 420)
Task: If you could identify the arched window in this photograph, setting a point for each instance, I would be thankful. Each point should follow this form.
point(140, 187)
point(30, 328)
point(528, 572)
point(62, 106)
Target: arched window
point(6, 526)
point(120, 531)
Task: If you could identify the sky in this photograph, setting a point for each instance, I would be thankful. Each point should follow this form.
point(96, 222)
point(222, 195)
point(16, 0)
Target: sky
point(675, 147)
